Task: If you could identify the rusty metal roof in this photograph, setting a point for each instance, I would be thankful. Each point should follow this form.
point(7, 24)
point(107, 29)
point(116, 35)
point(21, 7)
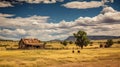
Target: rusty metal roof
point(30, 41)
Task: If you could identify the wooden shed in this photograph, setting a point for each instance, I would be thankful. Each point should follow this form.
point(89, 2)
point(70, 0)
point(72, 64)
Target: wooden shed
point(26, 43)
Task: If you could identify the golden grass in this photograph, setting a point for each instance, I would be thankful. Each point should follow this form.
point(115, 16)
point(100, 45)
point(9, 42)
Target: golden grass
point(42, 58)
point(45, 58)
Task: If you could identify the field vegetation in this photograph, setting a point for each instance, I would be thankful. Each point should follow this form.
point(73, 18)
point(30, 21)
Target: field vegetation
point(91, 56)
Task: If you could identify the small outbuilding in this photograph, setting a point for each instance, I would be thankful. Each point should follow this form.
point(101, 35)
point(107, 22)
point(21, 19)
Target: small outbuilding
point(26, 43)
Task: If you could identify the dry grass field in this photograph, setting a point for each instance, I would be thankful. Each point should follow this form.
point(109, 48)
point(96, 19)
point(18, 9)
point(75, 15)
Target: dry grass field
point(90, 56)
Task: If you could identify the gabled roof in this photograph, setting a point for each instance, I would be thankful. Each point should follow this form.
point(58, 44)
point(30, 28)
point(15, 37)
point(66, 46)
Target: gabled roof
point(30, 41)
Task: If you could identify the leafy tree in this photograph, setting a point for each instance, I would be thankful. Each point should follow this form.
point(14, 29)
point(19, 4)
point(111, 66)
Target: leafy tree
point(70, 42)
point(64, 43)
point(109, 43)
point(81, 39)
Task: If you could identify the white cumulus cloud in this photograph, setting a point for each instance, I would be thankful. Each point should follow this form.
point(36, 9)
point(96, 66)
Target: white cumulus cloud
point(9, 4)
point(106, 23)
point(5, 4)
point(41, 1)
point(83, 5)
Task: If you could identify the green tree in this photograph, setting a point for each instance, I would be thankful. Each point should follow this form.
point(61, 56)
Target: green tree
point(109, 43)
point(64, 43)
point(70, 42)
point(81, 39)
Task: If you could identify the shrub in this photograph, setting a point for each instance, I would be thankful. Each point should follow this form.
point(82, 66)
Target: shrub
point(109, 43)
point(64, 43)
point(106, 46)
point(118, 42)
point(91, 43)
point(101, 45)
point(70, 42)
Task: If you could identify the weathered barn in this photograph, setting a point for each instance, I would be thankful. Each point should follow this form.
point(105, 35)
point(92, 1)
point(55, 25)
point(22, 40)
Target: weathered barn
point(30, 43)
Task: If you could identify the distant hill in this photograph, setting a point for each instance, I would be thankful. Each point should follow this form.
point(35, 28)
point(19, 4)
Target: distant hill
point(55, 40)
point(5, 40)
point(71, 38)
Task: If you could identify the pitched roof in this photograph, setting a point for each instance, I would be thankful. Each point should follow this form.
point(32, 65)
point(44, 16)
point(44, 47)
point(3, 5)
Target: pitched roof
point(31, 41)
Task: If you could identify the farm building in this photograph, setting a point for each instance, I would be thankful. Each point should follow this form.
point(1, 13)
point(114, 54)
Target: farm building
point(30, 43)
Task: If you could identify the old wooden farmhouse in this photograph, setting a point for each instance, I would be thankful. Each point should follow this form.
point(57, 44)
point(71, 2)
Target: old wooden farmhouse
point(29, 43)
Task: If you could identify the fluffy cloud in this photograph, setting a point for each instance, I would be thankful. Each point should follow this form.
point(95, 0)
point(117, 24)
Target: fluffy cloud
point(85, 4)
point(5, 15)
point(104, 1)
point(106, 23)
point(5, 4)
point(22, 22)
point(108, 10)
point(109, 15)
point(40, 1)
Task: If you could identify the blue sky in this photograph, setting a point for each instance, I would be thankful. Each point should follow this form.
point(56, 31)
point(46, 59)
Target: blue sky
point(56, 11)
point(58, 19)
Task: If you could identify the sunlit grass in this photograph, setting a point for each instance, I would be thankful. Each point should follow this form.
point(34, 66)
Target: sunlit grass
point(44, 58)
point(55, 57)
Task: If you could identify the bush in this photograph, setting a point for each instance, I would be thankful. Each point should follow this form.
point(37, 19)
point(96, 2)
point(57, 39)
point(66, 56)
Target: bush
point(101, 45)
point(91, 43)
point(70, 42)
point(61, 42)
point(106, 46)
point(118, 42)
point(109, 43)
point(64, 43)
